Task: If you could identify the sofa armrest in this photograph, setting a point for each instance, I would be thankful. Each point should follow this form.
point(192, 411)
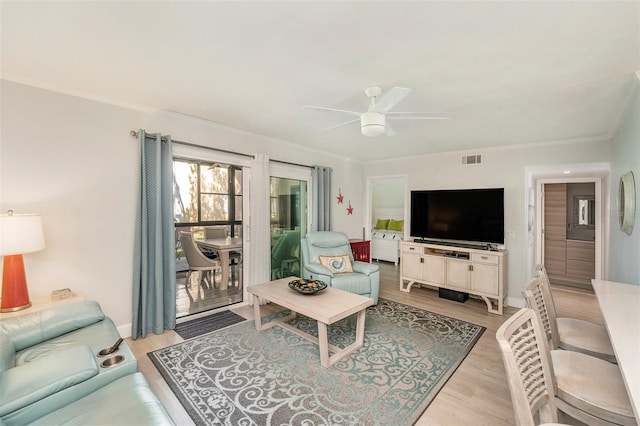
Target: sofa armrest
point(365, 267)
point(316, 268)
point(23, 385)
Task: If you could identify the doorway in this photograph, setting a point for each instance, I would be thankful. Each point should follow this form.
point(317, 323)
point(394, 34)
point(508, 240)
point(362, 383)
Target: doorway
point(570, 233)
point(385, 192)
point(386, 198)
point(208, 222)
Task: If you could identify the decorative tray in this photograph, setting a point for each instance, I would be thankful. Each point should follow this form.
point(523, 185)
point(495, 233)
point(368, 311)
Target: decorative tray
point(307, 286)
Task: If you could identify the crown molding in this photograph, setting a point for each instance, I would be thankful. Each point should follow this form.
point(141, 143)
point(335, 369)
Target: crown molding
point(77, 93)
point(635, 86)
point(482, 150)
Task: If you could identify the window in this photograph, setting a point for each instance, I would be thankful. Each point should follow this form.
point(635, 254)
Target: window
point(206, 194)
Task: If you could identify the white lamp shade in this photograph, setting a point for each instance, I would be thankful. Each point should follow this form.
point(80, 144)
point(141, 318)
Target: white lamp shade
point(372, 123)
point(20, 233)
point(373, 130)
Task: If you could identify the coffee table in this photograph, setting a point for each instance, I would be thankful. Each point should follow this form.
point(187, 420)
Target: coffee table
point(326, 307)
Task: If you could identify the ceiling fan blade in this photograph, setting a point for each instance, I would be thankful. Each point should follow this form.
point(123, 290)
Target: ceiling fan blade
point(331, 109)
point(388, 130)
point(390, 99)
point(418, 115)
point(341, 124)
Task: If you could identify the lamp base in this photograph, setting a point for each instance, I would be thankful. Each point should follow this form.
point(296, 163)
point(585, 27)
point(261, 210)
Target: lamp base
point(15, 295)
point(17, 308)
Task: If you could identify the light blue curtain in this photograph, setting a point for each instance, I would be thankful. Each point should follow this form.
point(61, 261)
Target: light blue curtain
point(154, 268)
point(321, 198)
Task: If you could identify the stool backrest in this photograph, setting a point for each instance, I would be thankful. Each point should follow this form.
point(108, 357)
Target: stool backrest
point(529, 372)
point(538, 298)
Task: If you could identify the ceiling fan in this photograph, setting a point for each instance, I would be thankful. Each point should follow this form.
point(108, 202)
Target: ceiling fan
point(373, 122)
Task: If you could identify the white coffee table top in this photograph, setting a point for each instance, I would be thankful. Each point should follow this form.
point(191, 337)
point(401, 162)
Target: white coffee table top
point(328, 306)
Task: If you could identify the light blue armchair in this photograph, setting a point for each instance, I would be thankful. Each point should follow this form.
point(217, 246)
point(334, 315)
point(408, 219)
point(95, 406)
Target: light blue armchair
point(365, 278)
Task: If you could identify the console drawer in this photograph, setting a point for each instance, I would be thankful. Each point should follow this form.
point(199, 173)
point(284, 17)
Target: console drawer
point(485, 258)
point(412, 248)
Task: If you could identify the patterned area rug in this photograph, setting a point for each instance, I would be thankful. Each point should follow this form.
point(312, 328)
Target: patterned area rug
point(198, 326)
point(238, 376)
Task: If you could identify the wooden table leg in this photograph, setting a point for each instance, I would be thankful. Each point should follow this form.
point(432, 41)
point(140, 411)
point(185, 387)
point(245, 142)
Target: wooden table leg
point(323, 342)
point(326, 359)
point(256, 313)
point(224, 264)
point(360, 328)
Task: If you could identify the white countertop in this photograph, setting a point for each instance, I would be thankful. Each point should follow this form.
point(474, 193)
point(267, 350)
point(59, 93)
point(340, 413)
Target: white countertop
point(620, 306)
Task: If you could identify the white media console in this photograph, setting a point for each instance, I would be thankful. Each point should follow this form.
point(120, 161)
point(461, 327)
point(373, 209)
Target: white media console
point(470, 270)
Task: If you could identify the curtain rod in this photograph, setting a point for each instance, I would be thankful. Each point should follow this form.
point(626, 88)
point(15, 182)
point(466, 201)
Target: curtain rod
point(134, 134)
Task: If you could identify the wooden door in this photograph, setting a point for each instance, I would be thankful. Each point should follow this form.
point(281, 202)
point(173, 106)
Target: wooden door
point(569, 261)
point(555, 229)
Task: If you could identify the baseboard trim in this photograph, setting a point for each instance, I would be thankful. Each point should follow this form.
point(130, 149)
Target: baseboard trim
point(516, 302)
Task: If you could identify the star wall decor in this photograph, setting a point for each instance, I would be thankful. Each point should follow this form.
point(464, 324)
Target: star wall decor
point(349, 209)
point(340, 197)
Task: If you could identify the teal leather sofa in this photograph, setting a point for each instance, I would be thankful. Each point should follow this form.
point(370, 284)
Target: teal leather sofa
point(365, 278)
point(127, 401)
point(49, 362)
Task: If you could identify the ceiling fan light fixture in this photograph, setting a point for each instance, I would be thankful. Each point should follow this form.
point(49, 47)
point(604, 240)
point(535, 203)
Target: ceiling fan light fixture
point(372, 124)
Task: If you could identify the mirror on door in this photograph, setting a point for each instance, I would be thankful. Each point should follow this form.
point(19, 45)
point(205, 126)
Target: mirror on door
point(584, 211)
point(581, 211)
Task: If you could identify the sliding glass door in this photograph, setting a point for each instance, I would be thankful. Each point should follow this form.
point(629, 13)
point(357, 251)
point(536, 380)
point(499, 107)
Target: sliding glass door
point(289, 220)
point(208, 199)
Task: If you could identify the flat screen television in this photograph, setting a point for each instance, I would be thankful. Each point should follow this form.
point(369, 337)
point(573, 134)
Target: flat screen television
point(465, 215)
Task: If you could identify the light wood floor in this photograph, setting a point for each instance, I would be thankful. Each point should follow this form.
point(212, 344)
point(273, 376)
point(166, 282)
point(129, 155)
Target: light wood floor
point(476, 394)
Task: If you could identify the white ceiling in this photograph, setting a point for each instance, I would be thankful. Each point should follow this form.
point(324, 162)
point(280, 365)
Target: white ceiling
point(508, 72)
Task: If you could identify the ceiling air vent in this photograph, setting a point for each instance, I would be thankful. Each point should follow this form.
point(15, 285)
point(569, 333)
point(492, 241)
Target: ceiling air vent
point(471, 159)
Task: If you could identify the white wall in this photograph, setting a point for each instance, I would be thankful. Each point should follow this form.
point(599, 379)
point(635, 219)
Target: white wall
point(73, 161)
point(501, 168)
point(625, 156)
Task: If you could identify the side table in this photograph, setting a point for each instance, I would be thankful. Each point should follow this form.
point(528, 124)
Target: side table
point(42, 303)
point(361, 249)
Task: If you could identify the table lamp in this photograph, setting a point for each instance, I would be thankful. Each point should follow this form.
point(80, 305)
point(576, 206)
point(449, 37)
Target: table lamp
point(19, 234)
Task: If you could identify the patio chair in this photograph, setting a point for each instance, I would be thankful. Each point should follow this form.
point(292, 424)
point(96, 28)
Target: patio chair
point(235, 257)
point(198, 262)
point(210, 232)
point(283, 254)
point(213, 232)
point(177, 230)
